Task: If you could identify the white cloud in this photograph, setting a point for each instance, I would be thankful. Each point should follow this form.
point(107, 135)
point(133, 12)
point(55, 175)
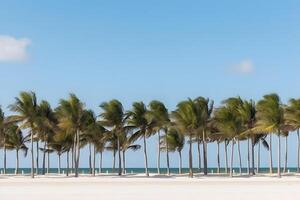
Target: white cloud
point(244, 67)
point(12, 49)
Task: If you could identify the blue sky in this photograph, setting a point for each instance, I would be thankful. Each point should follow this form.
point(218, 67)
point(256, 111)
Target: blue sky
point(143, 50)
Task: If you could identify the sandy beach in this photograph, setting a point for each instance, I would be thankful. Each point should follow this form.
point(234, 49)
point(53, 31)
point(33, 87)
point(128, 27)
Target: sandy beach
point(138, 187)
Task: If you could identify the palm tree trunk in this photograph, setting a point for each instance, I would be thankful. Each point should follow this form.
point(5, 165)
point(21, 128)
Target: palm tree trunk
point(32, 155)
point(226, 157)
point(44, 159)
point(199, 154)
point(145, 156)
point(58, 169)
point(258, 158)
point(218, 156)
point(248, 155)
point(286, 155)
point(204, 152)
point(240, 158)
point(17, 161)
point(68, 162)
point(4, 159)
point(100, 163)
point(298, 152)
point(48, 162)
point(158, 154)
point(252, 156)
point(119, 157)
point(77, 151)
point(168, 159)
point(94, 161)
point(279, 156)
point(114, 161)
point(90, 158)
point(37, 157)
point(231, 158)
point(270, 154)
point(72, 159)
point(180, 162)
point(124, 166)
point(190, 158)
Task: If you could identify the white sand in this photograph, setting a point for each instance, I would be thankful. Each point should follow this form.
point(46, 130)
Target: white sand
point(138, 187)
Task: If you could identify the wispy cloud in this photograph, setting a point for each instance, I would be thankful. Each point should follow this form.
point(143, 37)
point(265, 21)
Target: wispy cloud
point(13, 49)
point(244, 67)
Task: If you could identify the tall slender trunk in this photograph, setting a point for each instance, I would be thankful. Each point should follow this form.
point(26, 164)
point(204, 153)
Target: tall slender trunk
point(100, 163)
point(90, 158)
point(279, 156)
point(298, 152)
point(145, 156)
point(286, 155)
point(240, 158)
point(44, 158)
point(204, 152)
point(72, 159)
point(270, 154)
point(226, 157)
point(4, 158)
point(158, 153)
point(74, 153)
point(59, 165)
point(199, 154)
point(190, 158)
point(32, 155)
point(258, 158)
point(17, 161)
point(168, 159)
point(231, 158)
point(248, 155)
point(218, 156)
point(94, 160)
point(119, 157)
point(124, 159)
point(37, 157)
point(114, 161)
point(252, 156)
point(180, 162)
point(48, 162)
point(77, 153)
point(68, 162)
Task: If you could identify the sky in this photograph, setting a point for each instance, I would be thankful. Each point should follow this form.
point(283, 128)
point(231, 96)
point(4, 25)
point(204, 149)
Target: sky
point(143, 50)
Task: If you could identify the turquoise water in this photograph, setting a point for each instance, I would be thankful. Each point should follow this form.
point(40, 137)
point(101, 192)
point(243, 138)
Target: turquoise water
point(139, 170)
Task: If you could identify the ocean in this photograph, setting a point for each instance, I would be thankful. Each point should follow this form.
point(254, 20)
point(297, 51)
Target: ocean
point(141, 170)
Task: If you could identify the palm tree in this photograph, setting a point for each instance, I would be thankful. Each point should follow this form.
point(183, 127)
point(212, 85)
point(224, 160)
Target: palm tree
point(72, 118)
point(138, 119)
point(113, 116)
point(229, 124)
point(126, 144)
point(270, 119)
point(15, 141)
point(46, 124)
point(27, 108)
point(93, 135)
point(3, 137)
point(111, 140)
point(246, 110)
point(175, 142)
point(60, 143)
point(292, 115)
point(187, 121)
point(158, 117)
point(205, 108)
point(100, 147)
